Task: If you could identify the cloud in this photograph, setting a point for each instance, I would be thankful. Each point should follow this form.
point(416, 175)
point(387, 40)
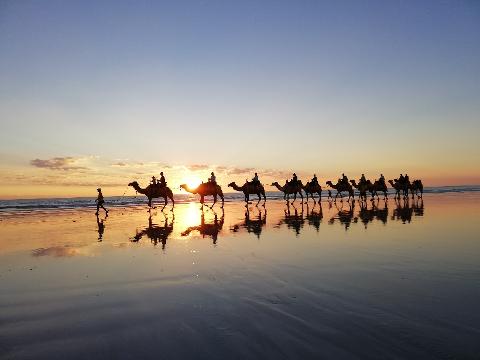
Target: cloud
point(57, 163)
point(196, 167)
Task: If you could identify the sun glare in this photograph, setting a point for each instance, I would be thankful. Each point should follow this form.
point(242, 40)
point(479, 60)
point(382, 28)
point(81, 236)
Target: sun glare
point(192, 182)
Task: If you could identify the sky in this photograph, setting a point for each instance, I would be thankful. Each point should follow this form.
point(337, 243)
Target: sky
point(99, 93)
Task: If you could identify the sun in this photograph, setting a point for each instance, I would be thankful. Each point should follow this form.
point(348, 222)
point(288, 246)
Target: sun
point(192, 181)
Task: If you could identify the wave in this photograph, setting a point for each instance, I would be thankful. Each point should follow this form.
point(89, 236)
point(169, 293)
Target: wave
point(29, 205)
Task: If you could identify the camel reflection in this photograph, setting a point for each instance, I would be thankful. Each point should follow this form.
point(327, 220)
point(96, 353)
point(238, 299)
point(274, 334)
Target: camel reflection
point(156, 234)
point(315, 216)
point(344, 216)
point(252, 224)
point(367, 215)
point(404, 210)
point(293, 221)
point(208, 229)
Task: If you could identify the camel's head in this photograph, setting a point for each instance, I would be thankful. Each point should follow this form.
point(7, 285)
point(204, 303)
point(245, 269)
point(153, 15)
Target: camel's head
point(133, 183)
point(275, 183)
point(183, 186)
point(353, 182)
point(231, 184)
point(329, 183)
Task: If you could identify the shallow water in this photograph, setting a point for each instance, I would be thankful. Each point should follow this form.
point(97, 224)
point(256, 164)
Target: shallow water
point(397, 280)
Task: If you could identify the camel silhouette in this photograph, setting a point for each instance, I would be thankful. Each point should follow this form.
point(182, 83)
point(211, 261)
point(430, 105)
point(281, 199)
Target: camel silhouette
point(250, 188)
point(416, 187)
point(206, 189)
point(154, 191)
point(362, 189)
point(289, 189)
point(341, 187)
point(313, 188)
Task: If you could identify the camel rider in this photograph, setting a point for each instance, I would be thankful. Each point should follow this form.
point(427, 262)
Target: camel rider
point(212, 179)
point(294, 179)
point(255, 179)
point(314, 179)
point(382, 179)
point(344, 179)
point(401, 179)
point(162, 181)
point(153, 181)
point(363, 180)
point(406, 179)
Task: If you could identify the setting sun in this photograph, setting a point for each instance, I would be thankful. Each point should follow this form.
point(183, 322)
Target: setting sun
point(192, 181)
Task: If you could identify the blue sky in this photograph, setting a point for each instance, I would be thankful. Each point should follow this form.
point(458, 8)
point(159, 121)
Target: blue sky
point(333, 86)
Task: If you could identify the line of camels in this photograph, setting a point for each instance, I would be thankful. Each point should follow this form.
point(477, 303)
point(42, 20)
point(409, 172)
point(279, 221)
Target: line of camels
point(311, 189)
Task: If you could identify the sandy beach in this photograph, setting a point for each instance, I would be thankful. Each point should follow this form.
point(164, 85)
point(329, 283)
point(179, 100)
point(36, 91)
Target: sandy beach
point(392, 280)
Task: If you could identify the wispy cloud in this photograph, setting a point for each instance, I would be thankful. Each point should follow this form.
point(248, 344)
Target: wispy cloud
point(57, 163)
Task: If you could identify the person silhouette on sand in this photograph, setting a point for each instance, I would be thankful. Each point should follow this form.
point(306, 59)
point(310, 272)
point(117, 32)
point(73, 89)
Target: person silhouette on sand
point(100, 201)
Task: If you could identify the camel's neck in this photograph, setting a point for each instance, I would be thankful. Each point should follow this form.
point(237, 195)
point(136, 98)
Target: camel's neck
point(138, 189)
point(236, 187)
point(277, 185)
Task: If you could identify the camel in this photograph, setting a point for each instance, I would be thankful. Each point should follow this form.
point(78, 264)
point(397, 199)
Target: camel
point(289, 189)
point(396, 185)
point(341, 187)
point(415, 187)
point(250, 188)
point(379, 186)
point(206, 189)
point(362, 189)
point(311, 188)
point(154, 191)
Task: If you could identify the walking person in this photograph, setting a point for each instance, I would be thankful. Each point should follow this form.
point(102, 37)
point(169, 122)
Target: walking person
point(100, 201)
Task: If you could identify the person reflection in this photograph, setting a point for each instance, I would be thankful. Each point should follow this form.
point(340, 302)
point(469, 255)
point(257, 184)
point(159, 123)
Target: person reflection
point(208, 229)
point(252, 224)
point(344, 216)
point(315, 217)
point(101, 227)
point(293, 221)
point(156, 234)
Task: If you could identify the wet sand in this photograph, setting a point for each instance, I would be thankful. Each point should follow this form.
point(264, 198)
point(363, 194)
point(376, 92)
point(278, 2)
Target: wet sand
point(398, 281)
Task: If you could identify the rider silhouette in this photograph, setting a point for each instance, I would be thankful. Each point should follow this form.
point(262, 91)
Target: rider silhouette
point(363, 180)
point(162, 181)
point(153, 181)
point(255, 179)
point(314, 179)
point(344, 179)
point(382, 179)
point(212, 179)
point(294, 179)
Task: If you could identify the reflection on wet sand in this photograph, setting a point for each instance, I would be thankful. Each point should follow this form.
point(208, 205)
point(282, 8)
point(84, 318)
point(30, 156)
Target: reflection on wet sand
point(344, 213)
point(367, 215)
point(404, 210)
point(252, 223)
point(211, 228)
point(295, 220)
point(101, 226)
point(156, 233)
point(315, 216)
